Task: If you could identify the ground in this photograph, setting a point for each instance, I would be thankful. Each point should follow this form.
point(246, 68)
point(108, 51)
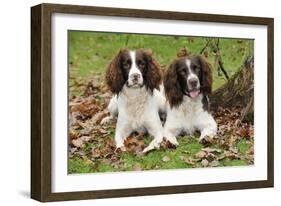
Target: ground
point(91, 145)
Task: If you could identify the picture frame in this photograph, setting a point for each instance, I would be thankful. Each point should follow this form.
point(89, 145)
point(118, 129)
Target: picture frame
point(41, 101)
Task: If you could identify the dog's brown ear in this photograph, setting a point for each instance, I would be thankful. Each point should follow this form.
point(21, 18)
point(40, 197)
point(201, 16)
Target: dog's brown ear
point(172, 87)
point(153, 73)
point(114, 75)
point(206, 75)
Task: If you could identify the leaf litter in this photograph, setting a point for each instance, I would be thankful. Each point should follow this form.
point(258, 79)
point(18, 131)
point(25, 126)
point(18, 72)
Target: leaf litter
point(94, 143)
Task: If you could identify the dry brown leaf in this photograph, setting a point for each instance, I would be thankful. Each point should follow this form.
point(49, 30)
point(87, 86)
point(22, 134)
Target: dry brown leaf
point(204, 163)
point(211, 150)
point(103, 131)
point(190, 161)
point(166, 159)
point(137, 167)
point(85, 138)
point(77, 142)
point(201, 154)
point(73, 134)
point(96, 153)
point(214, 163)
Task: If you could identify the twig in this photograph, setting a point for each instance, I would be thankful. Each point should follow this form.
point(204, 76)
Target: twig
point(220, 59)
point(206, 45)
point(222, 68)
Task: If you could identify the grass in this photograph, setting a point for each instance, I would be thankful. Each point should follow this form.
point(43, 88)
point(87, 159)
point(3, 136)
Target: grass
point(154, 160)
point(91, 52)
point(77, 165)
point(243, 146)
point(188, 147)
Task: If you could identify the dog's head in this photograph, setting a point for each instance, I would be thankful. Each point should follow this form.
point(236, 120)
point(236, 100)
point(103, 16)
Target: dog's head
point(134, 69)
point(189, 76)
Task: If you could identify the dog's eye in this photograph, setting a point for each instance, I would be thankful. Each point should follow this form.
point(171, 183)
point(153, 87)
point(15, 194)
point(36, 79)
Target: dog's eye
point(183, 71)
point(126, 65)
point(196, 69)
point(141, 64)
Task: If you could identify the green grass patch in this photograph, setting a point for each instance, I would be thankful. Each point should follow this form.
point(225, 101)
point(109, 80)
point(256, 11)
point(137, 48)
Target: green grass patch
point(91, 52)
point(77, 165)
point(156, 159)
point(235, 162)
point(243, 146)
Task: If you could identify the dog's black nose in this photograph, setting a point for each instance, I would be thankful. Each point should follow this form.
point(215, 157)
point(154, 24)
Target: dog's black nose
point(193, 82)
point(135, 76)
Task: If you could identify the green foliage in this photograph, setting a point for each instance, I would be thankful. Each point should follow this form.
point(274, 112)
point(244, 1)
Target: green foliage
point(91, 52)
point(188, 148)
point(235, 162)
point(77, 165)
point(243, 146)
point(154, 159)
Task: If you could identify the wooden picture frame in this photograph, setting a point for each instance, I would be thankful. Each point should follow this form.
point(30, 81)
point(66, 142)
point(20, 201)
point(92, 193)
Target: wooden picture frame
point(41, 96)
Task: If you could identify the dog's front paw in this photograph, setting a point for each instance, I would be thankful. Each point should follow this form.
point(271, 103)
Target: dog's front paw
point(172, 140)
point(205, 139)
point(120, 149)
point(153, 145)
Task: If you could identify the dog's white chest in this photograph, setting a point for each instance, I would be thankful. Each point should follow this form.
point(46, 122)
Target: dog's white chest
point(188, 111)
point(135, 105)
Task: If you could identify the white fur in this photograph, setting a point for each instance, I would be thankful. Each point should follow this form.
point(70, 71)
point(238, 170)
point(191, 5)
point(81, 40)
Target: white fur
point(134, 70)
point(137, 110)
point(188, 117)
point(191, 74)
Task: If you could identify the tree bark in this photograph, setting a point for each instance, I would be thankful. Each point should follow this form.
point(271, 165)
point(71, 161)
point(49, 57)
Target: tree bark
point(238, 91)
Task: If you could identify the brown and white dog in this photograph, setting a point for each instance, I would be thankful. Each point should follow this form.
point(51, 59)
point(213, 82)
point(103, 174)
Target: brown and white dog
point(134, 77)
point(187, 83)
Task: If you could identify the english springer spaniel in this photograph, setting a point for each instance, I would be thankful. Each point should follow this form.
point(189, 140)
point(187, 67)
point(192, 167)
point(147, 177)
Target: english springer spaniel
point(134, 77)
point(187, 83)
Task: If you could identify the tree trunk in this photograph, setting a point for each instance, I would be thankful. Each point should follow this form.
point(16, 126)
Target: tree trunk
point(238, 91)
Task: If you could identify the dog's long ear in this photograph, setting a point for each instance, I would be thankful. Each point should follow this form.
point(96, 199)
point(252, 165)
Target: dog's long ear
point(206, 75)
point(114, 75)
point(153, 73)
point(172, 87)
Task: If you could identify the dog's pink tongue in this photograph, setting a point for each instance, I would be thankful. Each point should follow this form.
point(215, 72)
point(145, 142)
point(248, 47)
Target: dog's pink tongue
point(194, 94)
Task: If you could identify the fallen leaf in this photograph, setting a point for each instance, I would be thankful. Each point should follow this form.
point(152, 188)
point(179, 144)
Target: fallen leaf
point(204, 163)
point(166, 159)
point(137, 167)
point(214, 163)
point(190, 161)
point(77, 142)
point(134, 144)
point(211, 150)
point(102, 131)
point(73, 134)
point(201, 154)
point(96, 153)
point(182, 158)
point(85, 138)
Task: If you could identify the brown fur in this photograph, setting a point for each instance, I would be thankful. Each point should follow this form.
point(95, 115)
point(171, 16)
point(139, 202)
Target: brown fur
point(153, 73)
point(173, 90)
point(207, 78)
point(114, 76)
point(116, 79)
